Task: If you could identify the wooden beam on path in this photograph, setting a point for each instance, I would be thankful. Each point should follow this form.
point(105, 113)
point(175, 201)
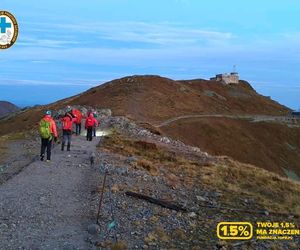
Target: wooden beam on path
point(161, 203)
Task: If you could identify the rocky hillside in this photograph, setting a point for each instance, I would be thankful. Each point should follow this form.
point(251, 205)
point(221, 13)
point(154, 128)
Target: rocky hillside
point(231, 120)
point(7, 108)
point(183, 193)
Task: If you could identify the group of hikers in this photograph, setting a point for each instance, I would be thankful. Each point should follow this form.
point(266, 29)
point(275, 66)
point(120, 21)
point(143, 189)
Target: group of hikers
point(48, 129)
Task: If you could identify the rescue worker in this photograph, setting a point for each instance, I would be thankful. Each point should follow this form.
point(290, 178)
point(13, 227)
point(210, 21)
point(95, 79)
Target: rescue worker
point(78, 116)
point(89, 125)
point(48, 133)
point(67, 126)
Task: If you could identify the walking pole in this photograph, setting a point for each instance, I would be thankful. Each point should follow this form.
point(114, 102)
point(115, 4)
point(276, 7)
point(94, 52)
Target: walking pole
point(101, 198)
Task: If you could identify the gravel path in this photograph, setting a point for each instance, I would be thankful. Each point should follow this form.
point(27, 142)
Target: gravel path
point(47, 205)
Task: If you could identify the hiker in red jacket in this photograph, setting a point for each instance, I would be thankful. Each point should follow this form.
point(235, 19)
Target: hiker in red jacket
point(48, 132)
point(67, 127)
point(78, 116)
point(89, 125)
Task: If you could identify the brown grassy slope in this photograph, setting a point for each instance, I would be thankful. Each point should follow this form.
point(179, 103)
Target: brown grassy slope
point(154, 99)
point(267, 145)
point(22, 122)
point(237, 99)
point(232, 178)
point(271, 191)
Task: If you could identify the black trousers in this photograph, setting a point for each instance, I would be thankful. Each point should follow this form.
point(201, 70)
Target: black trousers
point(78, 129)
point(46, 144)
point(89, 134)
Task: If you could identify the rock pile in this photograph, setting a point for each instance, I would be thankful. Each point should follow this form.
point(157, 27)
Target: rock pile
point(101, 113)
point(132, 129)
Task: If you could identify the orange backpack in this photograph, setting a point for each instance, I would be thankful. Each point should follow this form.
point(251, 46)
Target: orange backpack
point(67, 123)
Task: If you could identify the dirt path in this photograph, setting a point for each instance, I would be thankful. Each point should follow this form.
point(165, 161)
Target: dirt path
point(47, 205)
point(255, 118)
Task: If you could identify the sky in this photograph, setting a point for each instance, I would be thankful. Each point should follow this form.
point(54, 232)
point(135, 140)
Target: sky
point(66, 47)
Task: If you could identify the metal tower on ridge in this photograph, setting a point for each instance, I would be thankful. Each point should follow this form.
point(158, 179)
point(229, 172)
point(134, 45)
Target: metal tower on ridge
point(234, 69)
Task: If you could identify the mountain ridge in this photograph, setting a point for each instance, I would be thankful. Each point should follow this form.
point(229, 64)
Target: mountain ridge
point(160, 98)
point(7, 108)
point(219, 117)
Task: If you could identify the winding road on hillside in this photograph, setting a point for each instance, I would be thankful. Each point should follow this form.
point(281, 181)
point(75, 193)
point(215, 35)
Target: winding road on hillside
point(254, 118)
point(46, 206)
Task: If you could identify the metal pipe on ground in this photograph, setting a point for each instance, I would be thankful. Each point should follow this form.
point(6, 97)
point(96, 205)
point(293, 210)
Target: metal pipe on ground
point(101, 198)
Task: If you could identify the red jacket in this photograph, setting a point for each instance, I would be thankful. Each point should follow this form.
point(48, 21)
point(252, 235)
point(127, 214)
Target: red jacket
point(53, 128)
point(67, 122)
point(91, 121)
point(78, 115)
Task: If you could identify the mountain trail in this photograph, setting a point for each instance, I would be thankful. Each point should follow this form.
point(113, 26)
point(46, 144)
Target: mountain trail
point(46, 206)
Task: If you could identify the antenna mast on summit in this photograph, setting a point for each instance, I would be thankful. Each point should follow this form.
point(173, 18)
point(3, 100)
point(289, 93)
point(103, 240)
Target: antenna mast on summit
point(234, 69)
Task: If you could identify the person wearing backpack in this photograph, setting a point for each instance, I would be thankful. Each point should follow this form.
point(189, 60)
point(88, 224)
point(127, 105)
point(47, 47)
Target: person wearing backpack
point(48, 132)
point(67, 126)
point(89, 125)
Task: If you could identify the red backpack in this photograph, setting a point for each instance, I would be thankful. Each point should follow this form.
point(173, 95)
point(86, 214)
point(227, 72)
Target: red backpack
point(67, 123)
